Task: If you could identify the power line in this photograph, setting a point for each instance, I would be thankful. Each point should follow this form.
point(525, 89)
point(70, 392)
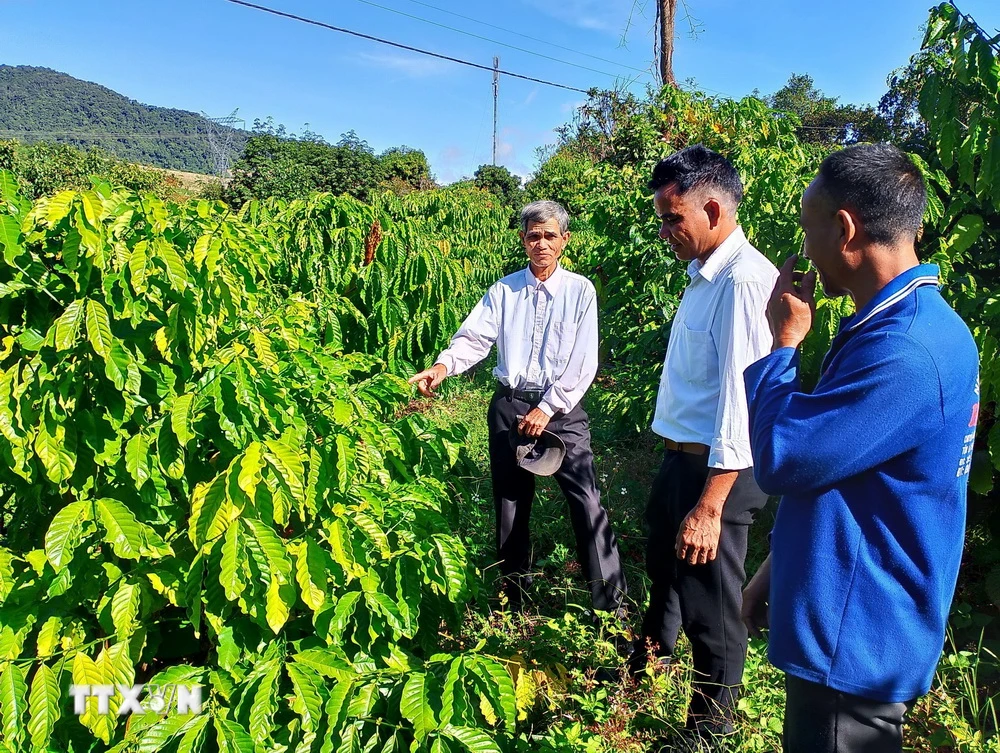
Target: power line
point(503, 44)
point(400, 46)
point(525, 36)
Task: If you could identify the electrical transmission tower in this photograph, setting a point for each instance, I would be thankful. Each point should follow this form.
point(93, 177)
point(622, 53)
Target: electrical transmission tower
point(221, 133)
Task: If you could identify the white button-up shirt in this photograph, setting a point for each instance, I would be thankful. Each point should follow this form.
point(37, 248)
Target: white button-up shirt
point(720, 329)
point(545, 332)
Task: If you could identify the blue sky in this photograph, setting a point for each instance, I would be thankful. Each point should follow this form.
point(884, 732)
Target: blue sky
point(213, 56)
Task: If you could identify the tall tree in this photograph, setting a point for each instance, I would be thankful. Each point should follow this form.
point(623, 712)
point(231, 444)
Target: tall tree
point(666, 10)
point(405, 169)
point(500, 182)
point(823, 120)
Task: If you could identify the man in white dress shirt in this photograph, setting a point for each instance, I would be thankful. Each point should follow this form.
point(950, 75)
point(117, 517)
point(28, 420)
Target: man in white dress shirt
point(543, 320)
point(703, 499)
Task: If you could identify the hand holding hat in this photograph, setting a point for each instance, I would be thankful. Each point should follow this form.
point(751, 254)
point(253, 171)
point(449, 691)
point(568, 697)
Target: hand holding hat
point(542, 455)
point(533, 424)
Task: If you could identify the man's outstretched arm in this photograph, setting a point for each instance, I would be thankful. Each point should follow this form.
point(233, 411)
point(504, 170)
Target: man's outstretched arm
point(469, 346)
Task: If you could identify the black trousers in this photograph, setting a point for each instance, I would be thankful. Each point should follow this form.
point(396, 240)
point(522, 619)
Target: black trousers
point(703, 599)
point(819, 719)
point(514, 491)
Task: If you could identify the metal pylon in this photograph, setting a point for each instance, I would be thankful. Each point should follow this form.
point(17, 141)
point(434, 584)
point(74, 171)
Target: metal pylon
point(221, 132)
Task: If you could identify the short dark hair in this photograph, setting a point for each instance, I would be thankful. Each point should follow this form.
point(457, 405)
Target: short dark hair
point(698, 167)
point(880, 183)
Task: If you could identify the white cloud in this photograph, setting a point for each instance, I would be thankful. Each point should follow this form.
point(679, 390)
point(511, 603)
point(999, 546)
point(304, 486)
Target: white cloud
point(414, 66)
point(606, 16)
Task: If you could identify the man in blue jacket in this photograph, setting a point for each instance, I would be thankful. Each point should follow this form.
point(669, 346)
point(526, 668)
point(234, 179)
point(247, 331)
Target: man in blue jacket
point(871, 465)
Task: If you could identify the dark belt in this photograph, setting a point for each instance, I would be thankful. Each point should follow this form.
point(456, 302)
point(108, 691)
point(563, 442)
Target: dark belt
point(528, 396)
point(693, 448)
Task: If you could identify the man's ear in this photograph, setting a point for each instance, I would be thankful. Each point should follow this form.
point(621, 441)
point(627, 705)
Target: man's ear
point(847, 228)
point(566, 237)
point(714, 211)
point(521, 235)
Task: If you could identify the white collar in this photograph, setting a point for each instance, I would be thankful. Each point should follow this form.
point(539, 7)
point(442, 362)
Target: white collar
point(550, 285)
point(718, 259)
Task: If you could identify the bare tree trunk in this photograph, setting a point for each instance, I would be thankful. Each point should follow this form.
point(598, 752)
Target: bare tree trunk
point(665, 11)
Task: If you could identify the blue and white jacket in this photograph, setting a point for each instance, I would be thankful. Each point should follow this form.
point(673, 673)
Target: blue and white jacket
point(872, 468)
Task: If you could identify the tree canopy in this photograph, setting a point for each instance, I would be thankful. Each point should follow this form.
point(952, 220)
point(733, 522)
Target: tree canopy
point(276, 163)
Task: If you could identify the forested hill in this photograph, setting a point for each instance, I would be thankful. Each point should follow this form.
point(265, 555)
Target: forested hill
point(40, 104)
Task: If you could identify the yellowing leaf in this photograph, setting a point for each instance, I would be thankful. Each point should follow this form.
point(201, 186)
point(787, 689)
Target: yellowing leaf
point(138, 265)
point(231, 564)
point(12, 702)
point(176, 271)
point(289, 466)
point(67, 326)
point(310, 573)
point(48, 636)
point(201, 250)
point(87, 672)
point(251, 464)
point(211, 512)
point(262, 347)
point(6, 574)
point(137, 459)
point(99, 328)
point(56, 448)
point(43, 705)
point(181, 417)
point(279, 600)
point(125, 605)
point(65, 533)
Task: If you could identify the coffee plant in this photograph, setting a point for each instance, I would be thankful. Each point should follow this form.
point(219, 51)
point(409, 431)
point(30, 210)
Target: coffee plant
point(199, 486)
point(960, 102)
point(393, 278)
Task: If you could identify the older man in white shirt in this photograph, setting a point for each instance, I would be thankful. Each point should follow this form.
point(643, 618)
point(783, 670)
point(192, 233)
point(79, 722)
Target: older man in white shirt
point(704, 497)
point(543, 320)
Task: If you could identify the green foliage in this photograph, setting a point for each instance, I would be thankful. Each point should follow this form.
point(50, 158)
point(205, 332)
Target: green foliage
point(278, 165)
point(43, 168)
point(500, 182)
point(821, 119)
point(964, 181)
point(562, 177)
point(44, 105)
point(405, 169)
point(393, 278)
point(611, 127)
point(200, 488)
point(637, 279)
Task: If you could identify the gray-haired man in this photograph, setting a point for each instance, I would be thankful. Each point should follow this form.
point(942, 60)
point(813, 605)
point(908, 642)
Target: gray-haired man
point(543, 320)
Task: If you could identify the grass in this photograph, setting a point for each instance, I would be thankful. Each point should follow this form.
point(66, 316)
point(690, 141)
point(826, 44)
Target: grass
point(558, 653)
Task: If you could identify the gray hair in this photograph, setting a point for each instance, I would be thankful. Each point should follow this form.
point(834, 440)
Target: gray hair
point(543, 211)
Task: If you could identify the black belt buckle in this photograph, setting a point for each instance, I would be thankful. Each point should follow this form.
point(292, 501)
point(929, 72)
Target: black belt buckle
point(529, 396)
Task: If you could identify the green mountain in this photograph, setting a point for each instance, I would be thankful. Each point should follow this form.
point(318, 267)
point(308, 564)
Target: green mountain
point(40, 104)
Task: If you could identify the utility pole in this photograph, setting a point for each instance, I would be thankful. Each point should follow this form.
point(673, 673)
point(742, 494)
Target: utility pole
point(665, 12)
point(496, 92)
